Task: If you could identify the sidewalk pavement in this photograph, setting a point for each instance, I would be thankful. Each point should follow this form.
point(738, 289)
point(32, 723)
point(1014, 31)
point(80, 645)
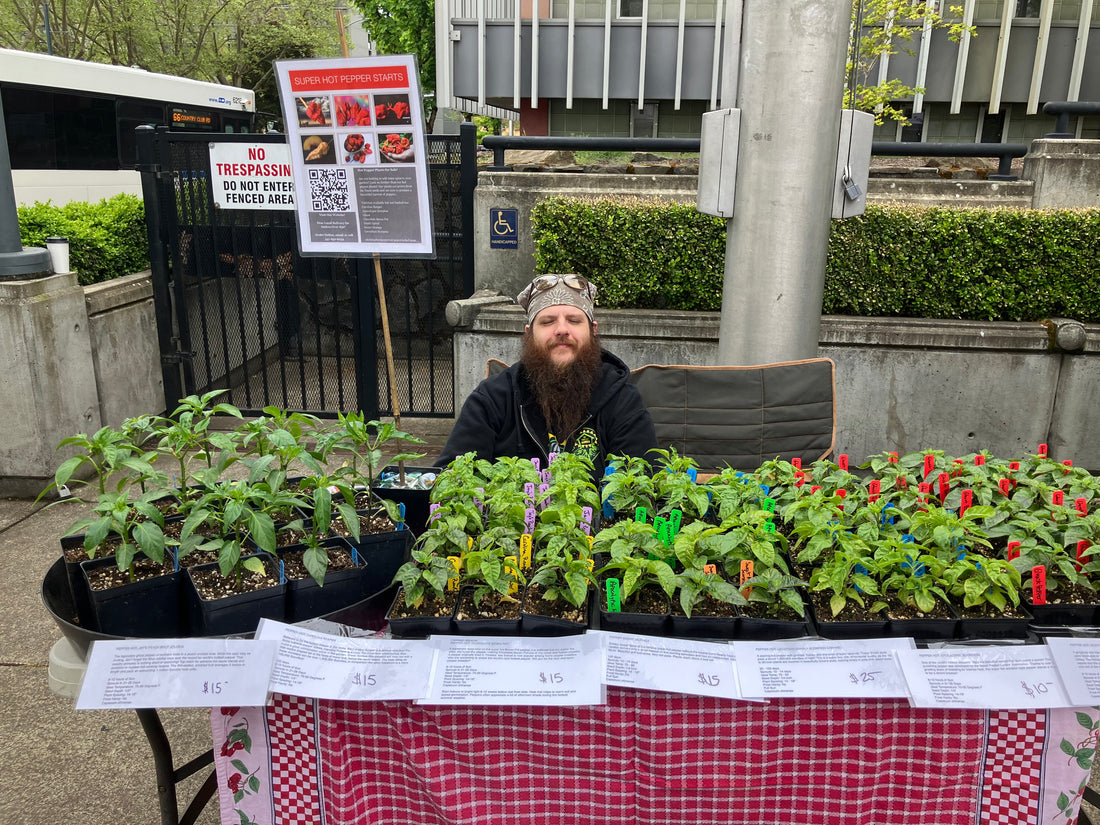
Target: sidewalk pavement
point(61, 766)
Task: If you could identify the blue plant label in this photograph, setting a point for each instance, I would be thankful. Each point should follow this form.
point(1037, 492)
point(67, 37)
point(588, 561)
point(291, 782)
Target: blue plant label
point(355, 555)
point(765, 488)
point(609, 470)
point(282, 572)
point(608, 509)
point(693, 474)
point(176, 558)
point(909, 538)
point(401, 513)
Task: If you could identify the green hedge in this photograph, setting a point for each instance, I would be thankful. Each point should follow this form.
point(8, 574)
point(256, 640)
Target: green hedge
point(106, 239)
point(897, 261)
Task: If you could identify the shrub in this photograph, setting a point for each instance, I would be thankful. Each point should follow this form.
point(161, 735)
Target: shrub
point(894, 261)
point(106, 239)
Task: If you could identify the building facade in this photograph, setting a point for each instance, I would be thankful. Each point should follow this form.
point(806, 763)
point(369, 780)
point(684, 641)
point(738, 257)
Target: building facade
point(650, 68)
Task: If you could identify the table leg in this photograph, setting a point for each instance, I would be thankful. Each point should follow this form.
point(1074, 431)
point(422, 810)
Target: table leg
point(168, 776)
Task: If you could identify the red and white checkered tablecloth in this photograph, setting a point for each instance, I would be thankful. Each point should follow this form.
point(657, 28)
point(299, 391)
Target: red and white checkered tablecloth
point(650, 759)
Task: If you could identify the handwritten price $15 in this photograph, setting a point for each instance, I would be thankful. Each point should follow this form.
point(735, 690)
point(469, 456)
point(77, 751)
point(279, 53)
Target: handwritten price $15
point(212, 687)
point(711, 679)
point(364, 679)
point(551, 678)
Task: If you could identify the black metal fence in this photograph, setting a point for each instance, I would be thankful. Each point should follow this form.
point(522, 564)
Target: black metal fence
point(239, 309)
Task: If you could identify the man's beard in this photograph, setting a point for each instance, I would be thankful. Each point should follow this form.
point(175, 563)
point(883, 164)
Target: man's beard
point(562, 391)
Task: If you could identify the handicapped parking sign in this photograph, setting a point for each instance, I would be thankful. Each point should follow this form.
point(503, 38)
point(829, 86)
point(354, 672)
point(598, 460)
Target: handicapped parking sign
point(503, 228)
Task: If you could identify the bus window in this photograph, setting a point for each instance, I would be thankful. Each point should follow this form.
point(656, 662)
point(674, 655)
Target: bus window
point(59, 131)
point(131, 114)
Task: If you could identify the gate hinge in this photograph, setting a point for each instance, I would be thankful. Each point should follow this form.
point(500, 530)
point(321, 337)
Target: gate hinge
point(177, 357)
point(154, 168)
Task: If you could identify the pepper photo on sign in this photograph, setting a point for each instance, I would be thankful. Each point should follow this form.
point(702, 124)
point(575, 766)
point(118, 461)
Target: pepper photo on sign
point(352, 110)
point(356, 149)
point(397, 148)
point(318, 149)
point(313, 111)
point(392, 110)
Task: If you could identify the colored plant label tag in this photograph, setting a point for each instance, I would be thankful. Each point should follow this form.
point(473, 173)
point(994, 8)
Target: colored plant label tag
point(979, 460)
point(674, 519)
point(929, 465)
point(1005, 486)
point(814, 489)
point(511, 566)
point(945, 485)
point(613, 603)
point(591, 541)
point(1038, 584)
point(874, 490)
point(1081, 505)
point(529, 490)
point(769, 505)
point(545, 476)
point(842, 461)
point(456, 565)
point(967, 501)
point(640, 515)
point(1013, 551)
point(537, 462)
point(586, 528)
point(529, 518)
point(1057, 498)
point(433, 511)
point(1082, 553)
point(796, 462)
point(586, 515)
point(902, 483)
point(693, 474)
point(526, 544)
point(769, 526)
point(591, 564)
point(746, 574)
point(1043, 450)
point(1014, 466)
point(608, 509)
point(710, 569)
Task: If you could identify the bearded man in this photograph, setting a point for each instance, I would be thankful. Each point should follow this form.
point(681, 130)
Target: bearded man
point(565, 394)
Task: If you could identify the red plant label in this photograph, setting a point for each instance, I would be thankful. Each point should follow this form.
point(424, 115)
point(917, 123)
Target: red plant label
point(1082, 506)
point(1057, 498)
point(979, 460)
point(1043, 450)
point(892, 458)
point(1014, 465)
point(1005, 485)
point(796, 462)
point(874, 489)
point(814, 489)
point(1038, 584)
point(967, 501)
point(945, 486)
point(842, 461)
point(1082, 553)
point(1013, 550)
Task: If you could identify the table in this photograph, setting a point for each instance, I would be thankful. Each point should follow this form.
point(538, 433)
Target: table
point(650, 758)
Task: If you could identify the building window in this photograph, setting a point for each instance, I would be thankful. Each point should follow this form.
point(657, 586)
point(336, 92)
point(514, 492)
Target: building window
point(643, 122)
point(630, 8)
point(1028, 8)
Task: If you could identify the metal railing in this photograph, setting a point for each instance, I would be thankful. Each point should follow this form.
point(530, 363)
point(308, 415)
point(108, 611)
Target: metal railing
point(1004, 152)
point(1062, 109)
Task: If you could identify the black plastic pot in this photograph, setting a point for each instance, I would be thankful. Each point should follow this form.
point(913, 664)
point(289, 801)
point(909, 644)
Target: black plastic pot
point(415, 501)
point(925, 628)
point(479, 626)
point(381, 555)
point(704, 627)
point(996, 628)
point(150, 608)
point(537, 624)
point(830, 628)
point(1068, 615)
point(647, 624)
point(417, 627)
point(305, 599)
point(77, 585)
point(764, 629)
point(238, 613)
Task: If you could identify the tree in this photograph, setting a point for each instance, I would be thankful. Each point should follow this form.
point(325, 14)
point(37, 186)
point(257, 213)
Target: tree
point(225, 41)
point(887, 27)
point(405, 27)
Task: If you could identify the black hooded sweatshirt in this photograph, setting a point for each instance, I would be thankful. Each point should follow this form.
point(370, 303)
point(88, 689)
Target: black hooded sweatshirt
point(502, 418)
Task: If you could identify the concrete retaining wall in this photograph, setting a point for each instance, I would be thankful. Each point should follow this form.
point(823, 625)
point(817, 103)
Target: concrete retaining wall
point(902, 384)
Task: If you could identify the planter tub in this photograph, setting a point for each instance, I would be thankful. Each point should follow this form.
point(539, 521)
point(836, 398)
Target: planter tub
point(305, 599)
point(479, 626)
point(537, 624)
point(236, 614)
point(924, 628)
point(417, 627)
point(149, 608)
point(415, 500)
point(829, 628)
point(763, 629)
point(995, 628)
point(1065, 615)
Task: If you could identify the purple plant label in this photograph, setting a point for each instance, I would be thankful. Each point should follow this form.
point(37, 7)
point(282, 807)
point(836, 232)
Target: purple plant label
point(550, 458)
point(545, 476)
point(586, 515)
point(529, 490)
point(529, 517)
point(544, 499)
point(433, 511)
point(587, 528)
point(537, 462)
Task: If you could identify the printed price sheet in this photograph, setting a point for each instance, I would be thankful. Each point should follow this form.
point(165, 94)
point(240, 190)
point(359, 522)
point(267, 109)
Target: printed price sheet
point(482, 670)
point(1012, 676)
point(176, 673)
point(1078, 663)
point(322, 666)
point(854, 668)
point(673, 665)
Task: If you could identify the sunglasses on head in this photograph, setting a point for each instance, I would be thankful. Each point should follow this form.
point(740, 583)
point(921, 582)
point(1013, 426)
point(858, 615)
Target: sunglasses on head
point(545, 282)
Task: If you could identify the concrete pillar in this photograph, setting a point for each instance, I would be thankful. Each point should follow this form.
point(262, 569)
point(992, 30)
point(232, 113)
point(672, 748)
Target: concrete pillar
point(49, 379)
point(1066, 173)
point(791, 80)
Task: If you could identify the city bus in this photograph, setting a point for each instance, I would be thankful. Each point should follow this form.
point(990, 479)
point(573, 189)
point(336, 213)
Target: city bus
point(70, 123)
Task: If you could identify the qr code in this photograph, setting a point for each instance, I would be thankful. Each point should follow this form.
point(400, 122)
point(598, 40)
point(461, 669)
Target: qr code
point(328, 189)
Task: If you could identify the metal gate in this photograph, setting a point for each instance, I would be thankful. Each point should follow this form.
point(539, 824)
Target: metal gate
point(239, 309)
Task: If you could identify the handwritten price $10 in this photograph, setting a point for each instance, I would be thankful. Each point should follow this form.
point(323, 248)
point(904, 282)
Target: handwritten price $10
point(1039, 687)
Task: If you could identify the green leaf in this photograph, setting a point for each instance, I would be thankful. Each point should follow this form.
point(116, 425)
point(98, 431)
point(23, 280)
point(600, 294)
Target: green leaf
point(239, 765)
point(254, 564)
point(315, 560)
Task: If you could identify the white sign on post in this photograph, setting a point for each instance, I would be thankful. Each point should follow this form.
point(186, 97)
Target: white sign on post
point(251, 176)
point(355, 130)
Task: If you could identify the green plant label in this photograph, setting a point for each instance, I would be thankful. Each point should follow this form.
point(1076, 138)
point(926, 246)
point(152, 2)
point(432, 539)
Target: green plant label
point(769, 505)
point(769, 526)
point(613, 604)
point(640, 515)
point(675, 517)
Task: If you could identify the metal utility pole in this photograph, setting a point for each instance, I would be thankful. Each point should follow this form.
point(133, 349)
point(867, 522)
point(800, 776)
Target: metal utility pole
point(16, 263)
point(790, 82)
